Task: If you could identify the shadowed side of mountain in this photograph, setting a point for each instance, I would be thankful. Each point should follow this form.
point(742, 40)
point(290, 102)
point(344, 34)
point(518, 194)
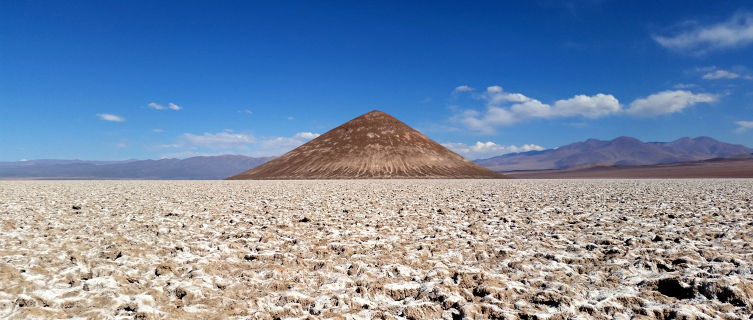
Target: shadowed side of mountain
point(195, 168)
point(372, 146)
point(620, 151)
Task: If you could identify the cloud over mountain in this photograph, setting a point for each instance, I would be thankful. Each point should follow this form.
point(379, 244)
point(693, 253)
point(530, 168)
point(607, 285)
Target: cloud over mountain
point(228, 141)
point(522, 108)
point(487, 149)
point(220, 140)
point(668, 102)
point(743, 126)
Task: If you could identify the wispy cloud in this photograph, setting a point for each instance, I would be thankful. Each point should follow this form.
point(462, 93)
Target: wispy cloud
point(733, 33)
point(110, 117)
point(463, 89)
point(743, 126)
point(720, 74)
point(124, 143)
point(489, 149)
point(229, 142)
point(684, 86)
point(158, 130)
point(306, 135)
point(280, 145)
point(668, 102)
point(246, 111)
point(170, 106)
point(222, 140)
point(505, 108)
point(524, 108)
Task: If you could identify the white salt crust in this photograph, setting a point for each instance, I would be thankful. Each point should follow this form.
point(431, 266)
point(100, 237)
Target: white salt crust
point(415, 249)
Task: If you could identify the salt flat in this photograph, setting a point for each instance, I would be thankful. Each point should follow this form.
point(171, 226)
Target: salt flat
point(372, 249)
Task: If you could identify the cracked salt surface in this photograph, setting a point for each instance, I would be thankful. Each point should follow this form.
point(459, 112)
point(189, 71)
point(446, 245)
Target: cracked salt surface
point(415, 249)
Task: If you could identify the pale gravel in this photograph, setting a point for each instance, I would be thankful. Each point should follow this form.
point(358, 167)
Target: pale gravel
point(376, 249)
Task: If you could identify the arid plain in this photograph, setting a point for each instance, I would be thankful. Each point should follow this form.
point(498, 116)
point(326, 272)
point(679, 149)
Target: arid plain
point(377, 249)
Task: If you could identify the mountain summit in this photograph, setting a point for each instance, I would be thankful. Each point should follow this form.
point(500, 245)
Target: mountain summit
point(372, 146)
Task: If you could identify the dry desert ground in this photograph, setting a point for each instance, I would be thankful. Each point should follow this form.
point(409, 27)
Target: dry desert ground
point(377, 249)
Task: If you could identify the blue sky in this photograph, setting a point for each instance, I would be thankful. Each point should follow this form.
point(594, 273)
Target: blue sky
point(110, 80)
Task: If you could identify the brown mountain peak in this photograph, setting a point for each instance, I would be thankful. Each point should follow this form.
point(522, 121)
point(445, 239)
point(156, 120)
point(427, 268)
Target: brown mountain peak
point(374, 145)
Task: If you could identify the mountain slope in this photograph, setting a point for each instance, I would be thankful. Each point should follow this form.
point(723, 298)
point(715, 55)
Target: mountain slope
point(620, 151)
point(704, 146)
point(372, 146)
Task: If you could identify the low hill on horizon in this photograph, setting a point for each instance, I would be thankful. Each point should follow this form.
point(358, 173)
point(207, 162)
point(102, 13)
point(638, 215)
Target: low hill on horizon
point(52, 162)
point(620, 151)
point(730, 167)
point(194, 168)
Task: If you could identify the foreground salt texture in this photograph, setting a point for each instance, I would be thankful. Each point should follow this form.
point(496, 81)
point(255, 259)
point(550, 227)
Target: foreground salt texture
point(620, 249)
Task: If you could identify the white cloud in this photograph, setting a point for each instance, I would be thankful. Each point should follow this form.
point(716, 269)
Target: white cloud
point(110, 117)
point(667, 102)
point(306, 135)
point(246, 111)
point(291, 118)
point(590, 107)
point(161, 107)
point(158, 130)
point(463, 89)
point(280, 145)
point(705, 69)
point(524, 108)
point(172, 145)
point(482, 150)
point(720, 74)
point(229, 142)
point(495, 95)
point(743, 126)
point(683, 86)
point(220, 140)
point(735, 32)
point(123, 143)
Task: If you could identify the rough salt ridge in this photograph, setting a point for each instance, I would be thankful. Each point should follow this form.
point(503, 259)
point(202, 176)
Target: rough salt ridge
point(496, 249)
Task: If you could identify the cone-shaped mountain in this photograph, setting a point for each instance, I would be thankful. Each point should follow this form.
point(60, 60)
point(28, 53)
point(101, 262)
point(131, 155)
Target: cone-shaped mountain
point(372, 146)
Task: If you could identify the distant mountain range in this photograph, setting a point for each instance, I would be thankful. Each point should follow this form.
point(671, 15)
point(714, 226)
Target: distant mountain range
point(52, 162)
point(624, 151)
point(195, 168)
point(620, 151)
point(731, 167)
